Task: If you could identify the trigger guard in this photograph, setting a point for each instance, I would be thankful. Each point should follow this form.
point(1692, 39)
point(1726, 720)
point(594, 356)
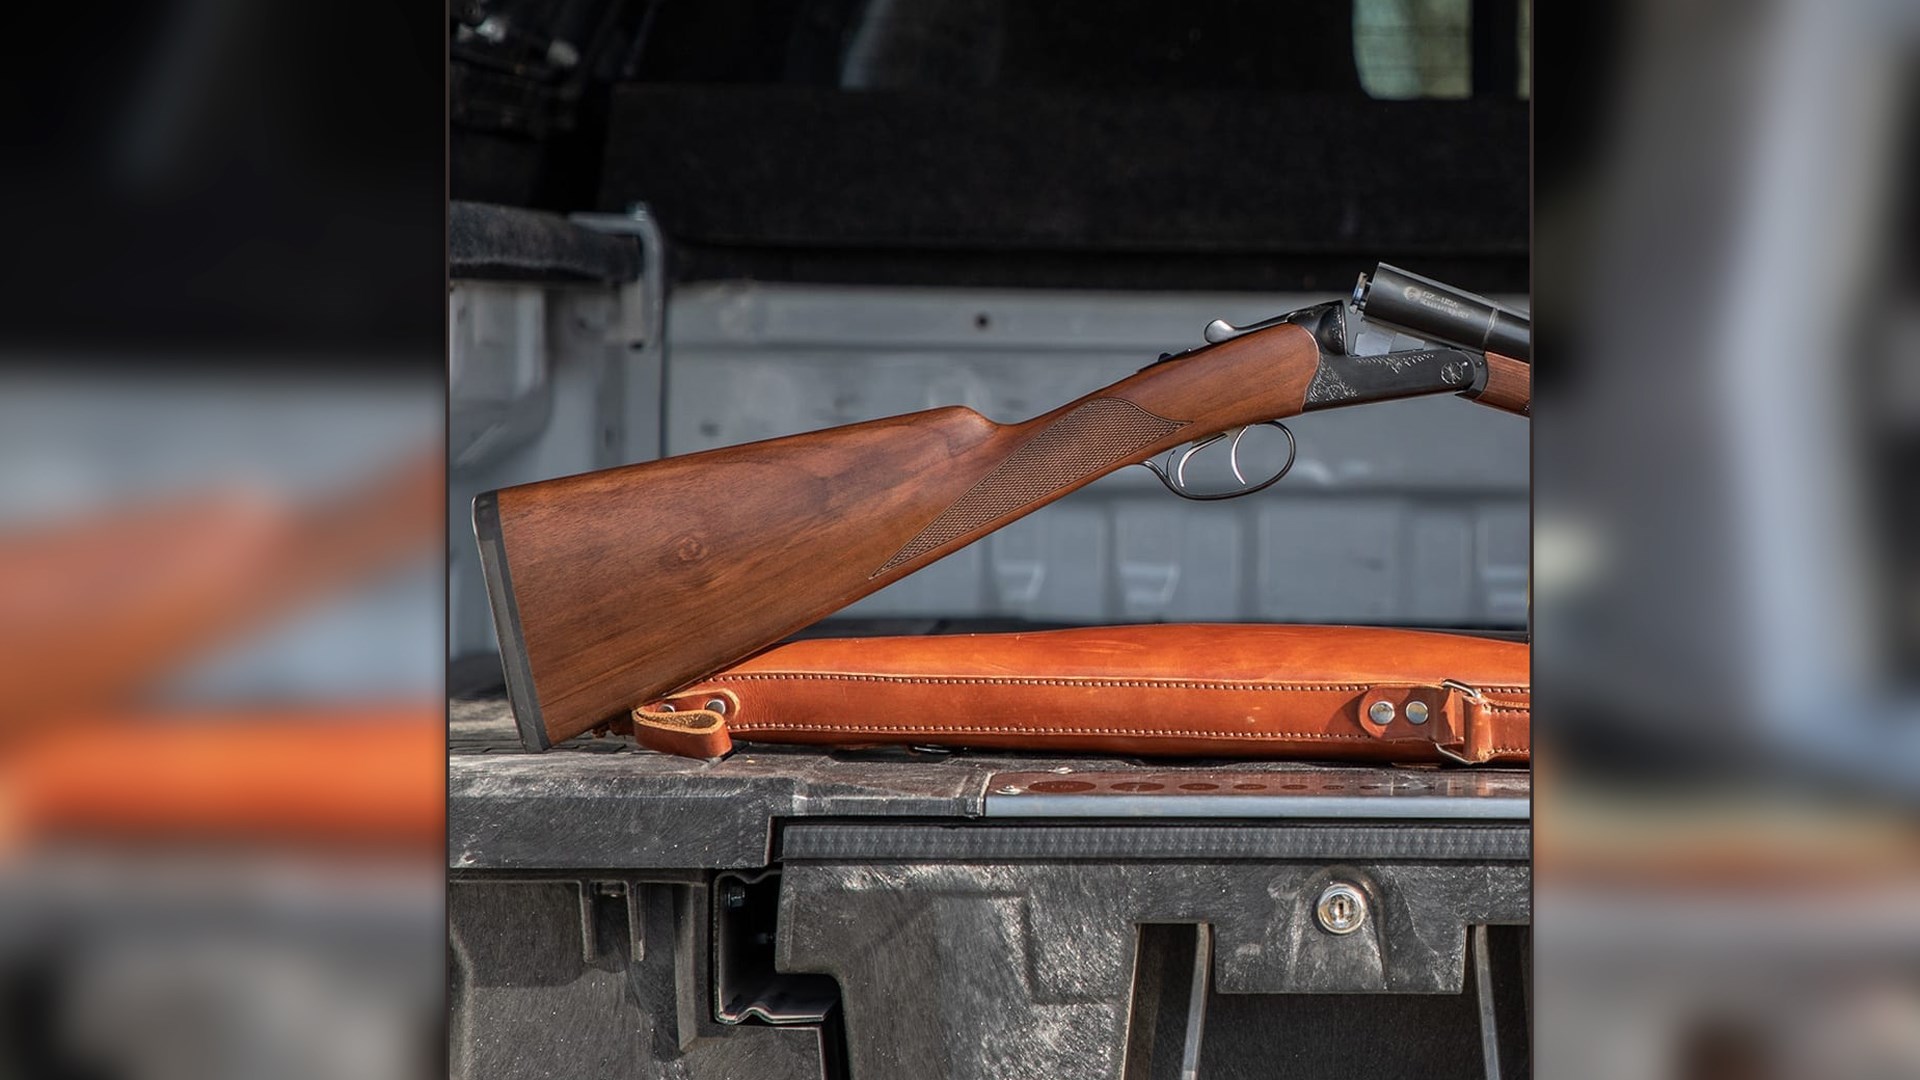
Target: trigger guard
point(1176, 482)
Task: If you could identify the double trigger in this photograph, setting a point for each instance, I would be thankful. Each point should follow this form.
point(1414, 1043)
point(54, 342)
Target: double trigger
point(1173, 471)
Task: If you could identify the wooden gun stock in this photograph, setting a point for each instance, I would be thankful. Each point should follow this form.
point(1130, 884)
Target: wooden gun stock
point(612, 588)
point(615, 588)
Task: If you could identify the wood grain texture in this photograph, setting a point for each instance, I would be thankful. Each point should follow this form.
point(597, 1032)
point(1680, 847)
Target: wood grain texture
point(633, 582)
point(1086, 442)
point(1509, 385)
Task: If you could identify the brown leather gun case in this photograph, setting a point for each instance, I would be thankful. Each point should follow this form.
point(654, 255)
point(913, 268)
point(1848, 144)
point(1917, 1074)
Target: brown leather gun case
point(1245, 691)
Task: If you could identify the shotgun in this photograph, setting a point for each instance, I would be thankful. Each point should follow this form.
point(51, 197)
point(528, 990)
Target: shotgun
point(617, 587)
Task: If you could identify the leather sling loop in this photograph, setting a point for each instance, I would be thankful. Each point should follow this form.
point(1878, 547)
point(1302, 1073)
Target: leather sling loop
point(695, 733)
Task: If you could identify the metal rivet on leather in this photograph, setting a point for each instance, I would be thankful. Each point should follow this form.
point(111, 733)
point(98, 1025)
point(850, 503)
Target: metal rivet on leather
point(718, 705)
point(1381, 712)
point(1416, 712)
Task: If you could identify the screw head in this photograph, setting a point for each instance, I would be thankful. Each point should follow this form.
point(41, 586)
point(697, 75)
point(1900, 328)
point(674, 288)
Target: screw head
point(1381, 712)
point(1416, 712)
point(1342, 908)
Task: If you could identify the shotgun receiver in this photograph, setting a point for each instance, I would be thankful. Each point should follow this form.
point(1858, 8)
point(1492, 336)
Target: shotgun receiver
point(617, 587)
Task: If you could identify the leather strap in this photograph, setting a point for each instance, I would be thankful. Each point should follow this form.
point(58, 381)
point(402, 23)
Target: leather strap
point(695, 733)
point(1501, 729)
point(1460, 721)
point(1222, 691)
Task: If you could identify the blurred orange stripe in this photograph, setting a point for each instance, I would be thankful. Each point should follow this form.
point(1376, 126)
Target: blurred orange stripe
point(359, 776)
point(96, 609)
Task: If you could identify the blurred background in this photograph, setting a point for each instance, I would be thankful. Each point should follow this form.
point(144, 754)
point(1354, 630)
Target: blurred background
point(221, 414)
point(222, 740)
point(1727, 585)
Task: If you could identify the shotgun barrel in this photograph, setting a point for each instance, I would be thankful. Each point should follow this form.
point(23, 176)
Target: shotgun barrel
point(1435, 311)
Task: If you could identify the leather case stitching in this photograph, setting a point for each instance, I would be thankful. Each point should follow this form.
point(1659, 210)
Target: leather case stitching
point(918, 729)
point(989, 680)
point(1095, 681)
